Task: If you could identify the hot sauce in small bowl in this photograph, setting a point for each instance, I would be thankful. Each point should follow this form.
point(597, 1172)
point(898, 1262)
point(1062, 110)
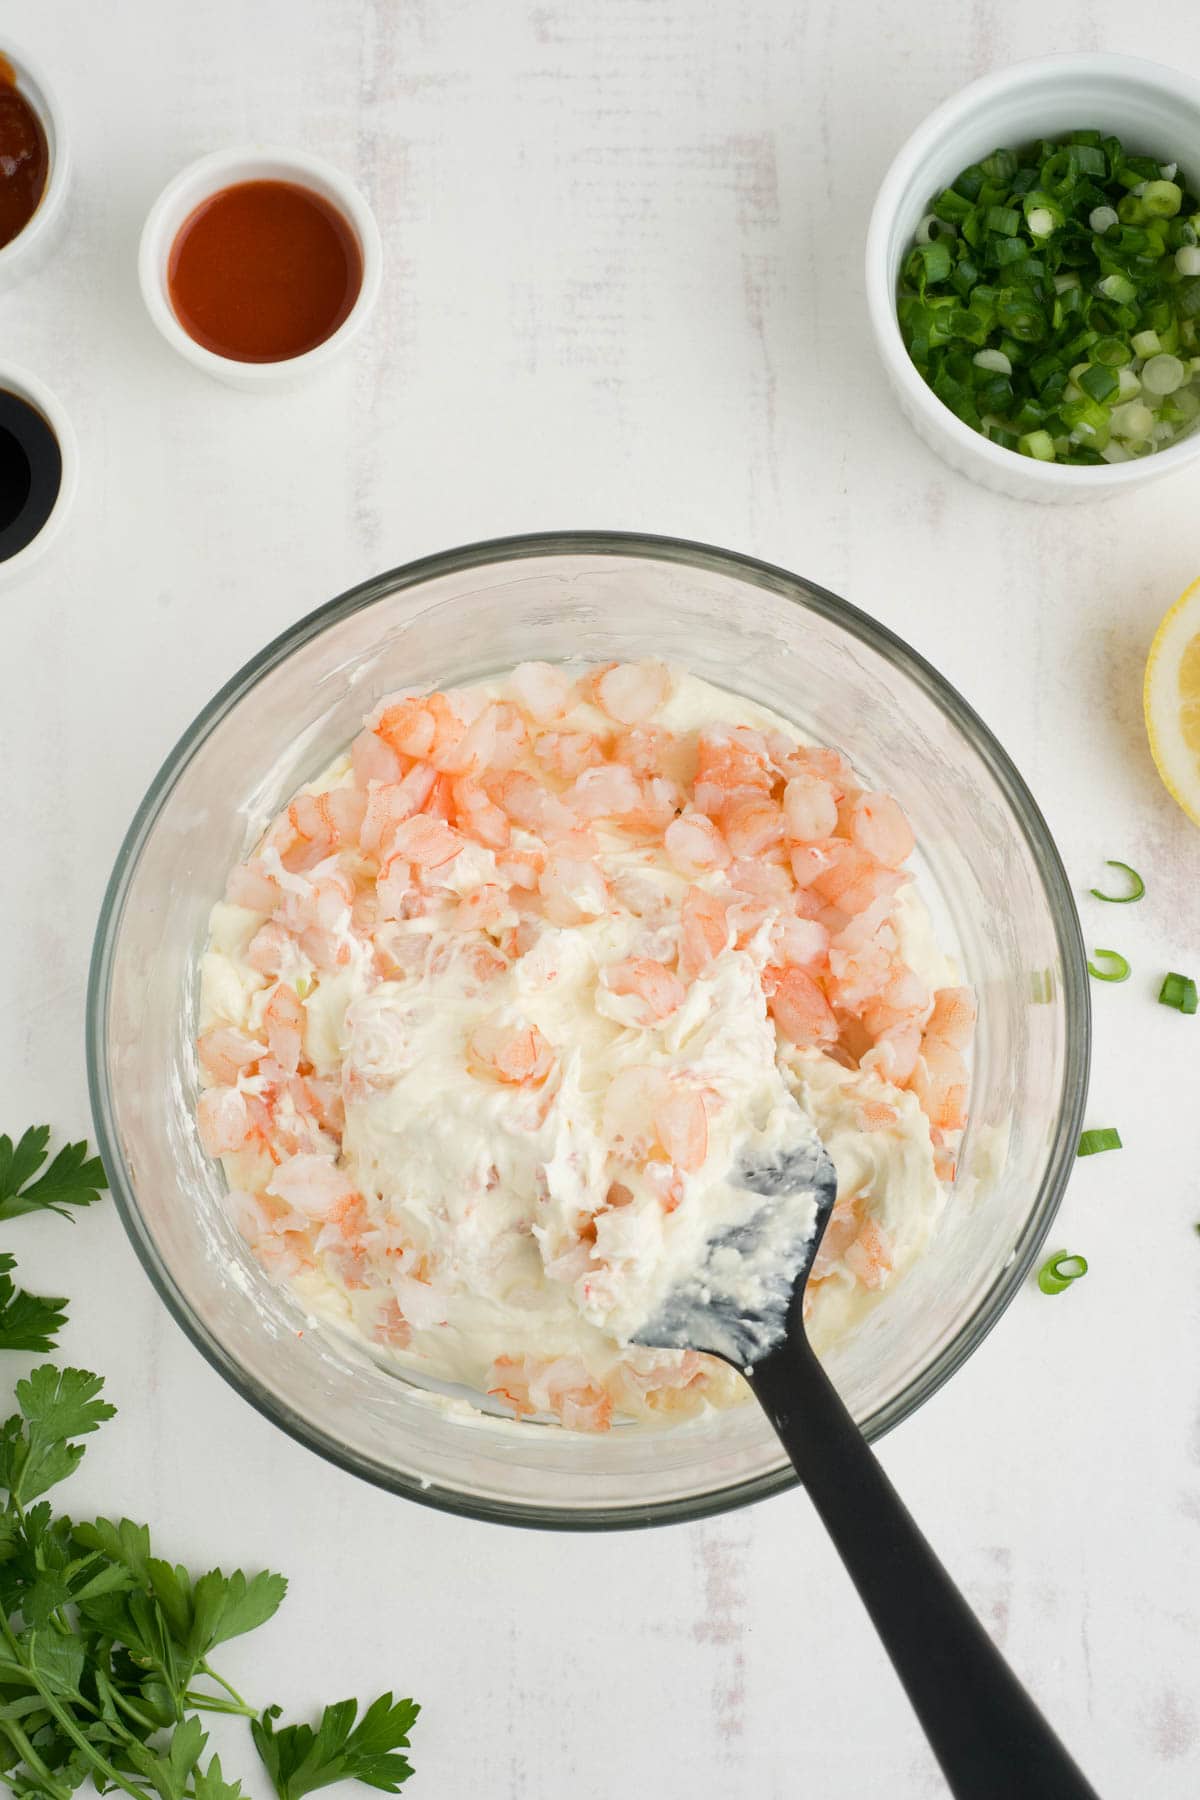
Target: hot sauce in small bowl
point(261, 266)
point(264, 271)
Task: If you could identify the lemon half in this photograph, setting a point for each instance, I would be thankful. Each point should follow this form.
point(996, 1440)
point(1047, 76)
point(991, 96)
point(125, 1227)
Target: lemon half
point(1171, 698)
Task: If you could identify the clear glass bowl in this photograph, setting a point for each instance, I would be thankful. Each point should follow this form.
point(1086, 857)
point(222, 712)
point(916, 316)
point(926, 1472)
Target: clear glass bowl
point(999, 892)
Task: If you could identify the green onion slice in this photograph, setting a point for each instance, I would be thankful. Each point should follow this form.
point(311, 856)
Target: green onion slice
point(1056, 1275)
point(1119, 970)
point(1106, 1137)
point(1139, 886)
point(1178, 991)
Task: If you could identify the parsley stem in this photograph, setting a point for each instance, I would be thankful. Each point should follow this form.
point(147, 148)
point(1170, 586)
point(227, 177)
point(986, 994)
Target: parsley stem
point(206, 1668)
point(32, 1760)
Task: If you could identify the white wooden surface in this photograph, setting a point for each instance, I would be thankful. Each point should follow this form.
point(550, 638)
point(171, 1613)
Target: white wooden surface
point(623, 246)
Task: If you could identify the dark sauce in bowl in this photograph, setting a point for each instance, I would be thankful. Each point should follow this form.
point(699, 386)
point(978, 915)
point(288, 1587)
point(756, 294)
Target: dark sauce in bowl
point(30, 473)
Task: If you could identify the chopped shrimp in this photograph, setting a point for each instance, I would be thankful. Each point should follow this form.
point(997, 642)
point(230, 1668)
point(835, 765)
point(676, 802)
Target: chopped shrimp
point(660, 992)
point(879, 827)
point(517, 1054)
point(704, 932)
point(695, 845)
point(603, 793)
point(543, 690)
point(631, 693)
point(952, 1021)
point(573, 889)
point(751, 825)
point(373, 760)
point(225, 1051)
point(389, 803)
point(798, 1007)
point(809, 807)
point(251, 886)
point(224, 1120)
point(429, 843)
point(869, 1257)
point(681, 1120)
point(568, 753)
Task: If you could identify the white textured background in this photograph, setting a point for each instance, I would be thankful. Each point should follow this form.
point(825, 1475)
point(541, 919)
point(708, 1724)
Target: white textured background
point(623, 247)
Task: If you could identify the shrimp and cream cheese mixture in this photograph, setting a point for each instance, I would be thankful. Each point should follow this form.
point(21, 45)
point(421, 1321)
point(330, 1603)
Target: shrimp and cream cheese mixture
point(504, 1006)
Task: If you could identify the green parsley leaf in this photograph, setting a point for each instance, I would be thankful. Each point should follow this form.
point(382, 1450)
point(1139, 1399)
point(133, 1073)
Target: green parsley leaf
point(56, 1405)
point(27, 1321)
point(73, 1178)
point(299, 1759)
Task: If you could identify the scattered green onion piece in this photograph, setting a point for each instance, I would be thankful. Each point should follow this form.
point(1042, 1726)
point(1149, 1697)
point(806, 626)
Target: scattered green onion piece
point(1139, 886)
point(1056, 1275)
point(1178, 991)
point(1091, 1143)
point(1119, 970)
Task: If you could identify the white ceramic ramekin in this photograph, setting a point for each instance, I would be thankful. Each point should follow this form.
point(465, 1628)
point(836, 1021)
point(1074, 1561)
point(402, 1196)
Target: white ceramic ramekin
point(1153, 110)
point(222, 169)
point(28, 249)
point(26, 387)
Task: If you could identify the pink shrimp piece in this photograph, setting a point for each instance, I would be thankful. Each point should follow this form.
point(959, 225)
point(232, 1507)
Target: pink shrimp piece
point(868, 1257)
point(373, 760)
point(568, 753)
point(695, 845)
point(271, 949)
point(952, 1021)
point(389, 804)
point(878, 826)
point(393, 887)
point(798, 1007)
point(751, 826)
point(604, 793)
point(488, 906)
point(800, 943)
point(629, 1108)
point(224, 1120)
point(704, 932)
point(574, 890)
point(250, 886)
point(285, 1020)
point(313, 1184)
point(809, 808)
point(225, 1051)
point(543, 691)
point(516, 1054)
point(940, 1083)
point(659, 990)
point(528, 804)
point(731, 764)
point(391, 1326)
point(429, 843)
point(853, 881)
point(631, 693)
point(681, 1120)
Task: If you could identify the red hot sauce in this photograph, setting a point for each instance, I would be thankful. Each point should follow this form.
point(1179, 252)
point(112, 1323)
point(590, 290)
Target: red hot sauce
point(263, 271)
point(24, 157)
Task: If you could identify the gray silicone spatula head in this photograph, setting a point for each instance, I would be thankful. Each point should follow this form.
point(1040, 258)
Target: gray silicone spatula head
point(736, 1298)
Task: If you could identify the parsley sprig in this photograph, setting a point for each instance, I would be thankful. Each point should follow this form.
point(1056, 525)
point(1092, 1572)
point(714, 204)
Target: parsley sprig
point(104, 1646)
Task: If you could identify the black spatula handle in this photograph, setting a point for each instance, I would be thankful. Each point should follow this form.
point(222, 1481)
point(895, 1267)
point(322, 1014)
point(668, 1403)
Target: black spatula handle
point(988, 1736)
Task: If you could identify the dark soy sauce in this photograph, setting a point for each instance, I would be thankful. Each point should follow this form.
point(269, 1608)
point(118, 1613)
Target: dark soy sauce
point(30, 473)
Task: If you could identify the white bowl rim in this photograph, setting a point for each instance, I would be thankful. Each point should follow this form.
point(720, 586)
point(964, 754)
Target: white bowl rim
point(881, 302)
point(206, 175)
point(18, 250)
point(19, 381)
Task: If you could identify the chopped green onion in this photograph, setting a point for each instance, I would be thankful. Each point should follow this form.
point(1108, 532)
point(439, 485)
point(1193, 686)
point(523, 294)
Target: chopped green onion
point(1051, 300)
point(1178, 991)
point(1056, 1275)
point(1091, 1143)
point(1119, 970)
point(1139, 886)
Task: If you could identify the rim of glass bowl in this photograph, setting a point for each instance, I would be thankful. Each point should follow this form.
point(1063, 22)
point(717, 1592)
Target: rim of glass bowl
point(848, 618)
